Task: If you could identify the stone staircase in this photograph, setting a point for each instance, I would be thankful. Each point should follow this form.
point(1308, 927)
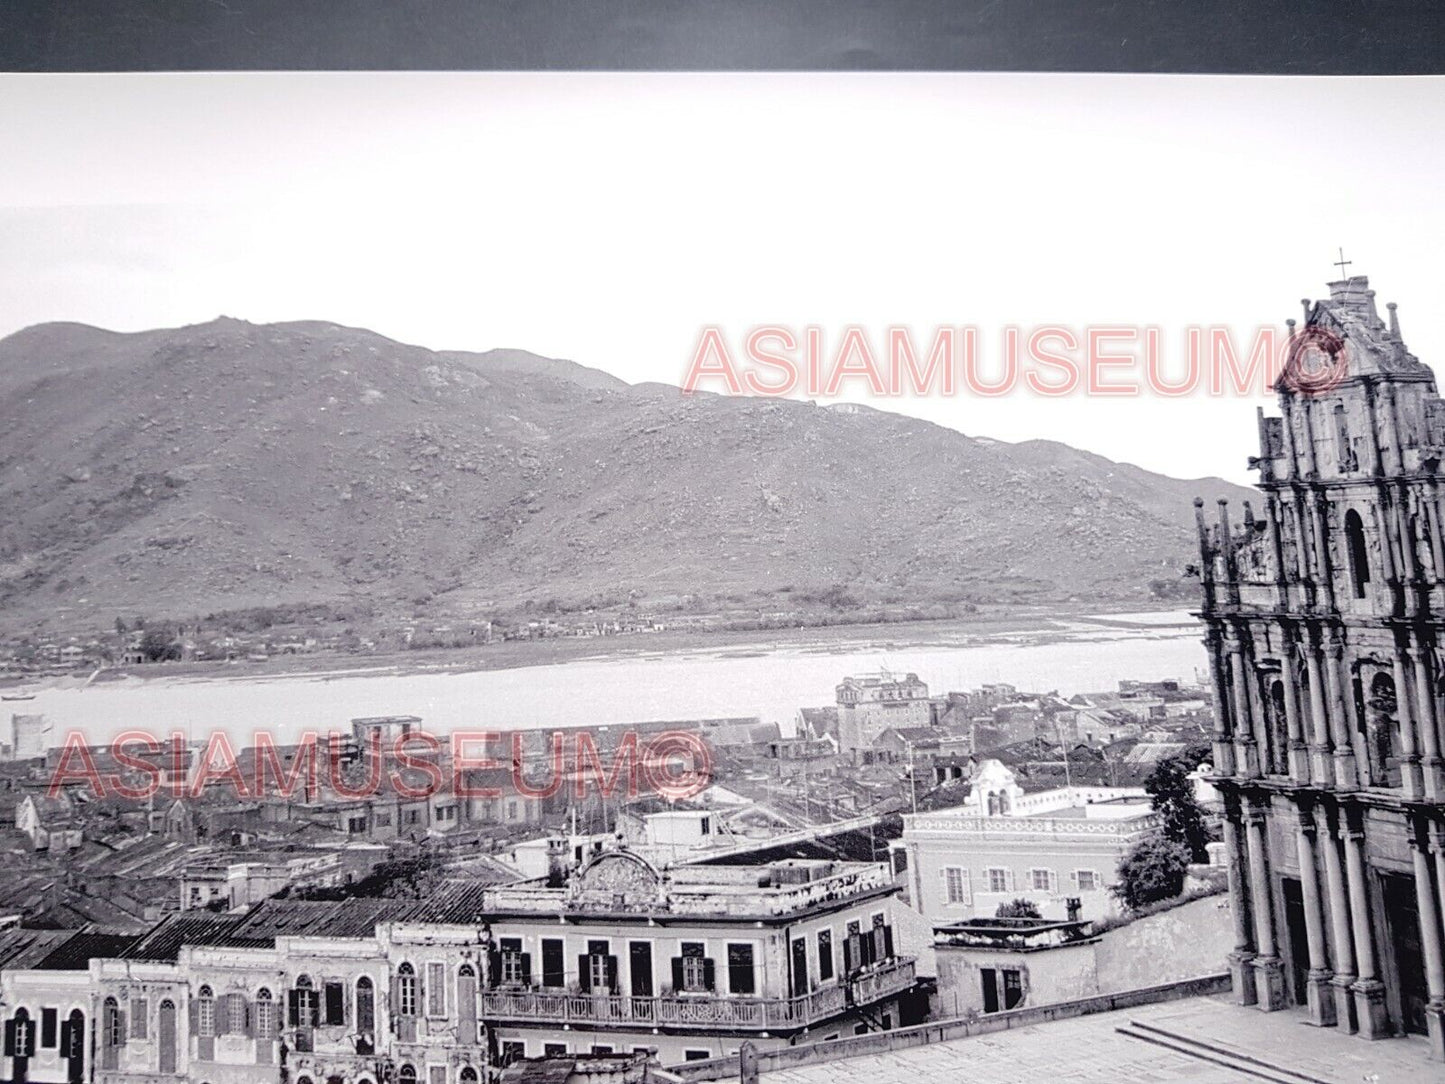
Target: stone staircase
point(1218, 1053)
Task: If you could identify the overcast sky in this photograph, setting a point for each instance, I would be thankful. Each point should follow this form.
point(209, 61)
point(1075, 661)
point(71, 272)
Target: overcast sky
point(608, 218)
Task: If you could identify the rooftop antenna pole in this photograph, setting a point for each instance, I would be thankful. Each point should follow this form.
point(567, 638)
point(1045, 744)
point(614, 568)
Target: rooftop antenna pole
point(1342, 264)
point(912, 778)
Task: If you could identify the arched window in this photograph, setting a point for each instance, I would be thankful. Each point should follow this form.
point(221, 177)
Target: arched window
point(73, 1045)
point(406, 991)
point(24, 1041)
point(407, 1073)
point(1359, 556)
point(265, 1014)
point(305, 1008)
point(111, 1037)
point(365, 1005)
point(205, 1013)
point(111, 1025)
point(469, 1075)
point(166, 1035)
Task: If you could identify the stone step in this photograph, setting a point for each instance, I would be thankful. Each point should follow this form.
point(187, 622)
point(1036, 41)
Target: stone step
point(1217, 1054)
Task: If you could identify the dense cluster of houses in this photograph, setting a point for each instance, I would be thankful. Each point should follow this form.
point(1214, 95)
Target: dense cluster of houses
point(612, 955)
point(211, 936)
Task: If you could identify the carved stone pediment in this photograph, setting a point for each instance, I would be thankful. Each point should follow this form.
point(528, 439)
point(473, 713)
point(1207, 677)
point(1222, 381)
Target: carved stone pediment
point(615, 875)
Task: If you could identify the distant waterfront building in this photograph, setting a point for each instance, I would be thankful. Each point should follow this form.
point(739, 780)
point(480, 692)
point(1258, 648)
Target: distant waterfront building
point(872, 703)
point(29, 736)
point(1060, 849)
point(1323, 612)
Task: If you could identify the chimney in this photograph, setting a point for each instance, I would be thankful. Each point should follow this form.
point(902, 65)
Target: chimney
point(556, 862)
point(1394, 321)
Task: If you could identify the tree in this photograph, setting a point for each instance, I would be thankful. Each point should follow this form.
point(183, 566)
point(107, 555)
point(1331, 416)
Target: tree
point(1152, 871)
point(158, 644)
point(1019, 908)
point(1172, 792)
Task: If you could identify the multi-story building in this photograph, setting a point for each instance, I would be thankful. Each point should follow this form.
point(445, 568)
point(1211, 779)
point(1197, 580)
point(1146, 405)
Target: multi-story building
point(1323, 611)
point(694, 961)
point(1060, 849)
point(872, 703)
point(618, 958)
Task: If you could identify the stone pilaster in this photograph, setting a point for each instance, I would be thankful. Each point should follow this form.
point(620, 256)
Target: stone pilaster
point(1318, 990)
point(1430, 937)
point(1268, 969)
point(1368, 990)
point(1341, 937)
point(1240, 972)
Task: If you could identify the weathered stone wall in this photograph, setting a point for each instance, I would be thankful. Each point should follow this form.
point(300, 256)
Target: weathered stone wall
point(1179, 944)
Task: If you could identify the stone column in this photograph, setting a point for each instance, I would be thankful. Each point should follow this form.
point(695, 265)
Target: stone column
point(1299, 765)
point(1318, 989)
point(1320, 773)
point(1219, 685)
point(1410, 784)
point(1240, 972)
point(1341, 717)
point(1368, 990)
point(1246, 751)
point(1430, 939)
point(1268, 970)
point(1431, 500)
point(1430, 762)
point(1340, 934)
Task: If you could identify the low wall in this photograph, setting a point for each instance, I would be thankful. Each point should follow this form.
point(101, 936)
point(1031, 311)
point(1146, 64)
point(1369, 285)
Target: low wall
point(882, 1042)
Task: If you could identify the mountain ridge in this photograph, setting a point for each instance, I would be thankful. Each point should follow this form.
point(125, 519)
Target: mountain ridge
point(228, 465)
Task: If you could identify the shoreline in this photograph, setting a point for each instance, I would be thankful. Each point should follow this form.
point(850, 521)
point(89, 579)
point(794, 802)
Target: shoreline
point(1032, 630)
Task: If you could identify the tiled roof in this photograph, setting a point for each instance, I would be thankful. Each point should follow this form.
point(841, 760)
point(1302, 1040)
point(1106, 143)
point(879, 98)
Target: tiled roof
point(76, 952)
point(164, 941)
point(322, 918)
point(22, 950)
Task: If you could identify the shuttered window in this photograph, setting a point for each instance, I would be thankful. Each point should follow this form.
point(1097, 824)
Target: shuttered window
point(335, 1003)
point(740, 969)
point(955, 885)
point(554, 967)
point(436, 990)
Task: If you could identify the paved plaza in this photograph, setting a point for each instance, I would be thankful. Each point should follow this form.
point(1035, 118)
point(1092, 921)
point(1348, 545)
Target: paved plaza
point(1090, 1050)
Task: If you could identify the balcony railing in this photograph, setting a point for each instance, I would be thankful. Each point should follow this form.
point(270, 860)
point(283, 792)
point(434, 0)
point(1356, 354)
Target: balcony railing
point(700, 1010)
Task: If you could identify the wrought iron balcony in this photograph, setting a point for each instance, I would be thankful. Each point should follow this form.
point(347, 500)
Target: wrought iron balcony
point(701, 1011)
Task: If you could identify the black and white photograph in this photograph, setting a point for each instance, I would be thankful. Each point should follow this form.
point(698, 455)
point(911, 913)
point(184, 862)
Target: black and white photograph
point(656, 543)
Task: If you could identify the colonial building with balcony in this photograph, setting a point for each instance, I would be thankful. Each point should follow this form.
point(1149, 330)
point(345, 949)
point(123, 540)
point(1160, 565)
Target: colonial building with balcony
point(1322, 611)
point(693, 960)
